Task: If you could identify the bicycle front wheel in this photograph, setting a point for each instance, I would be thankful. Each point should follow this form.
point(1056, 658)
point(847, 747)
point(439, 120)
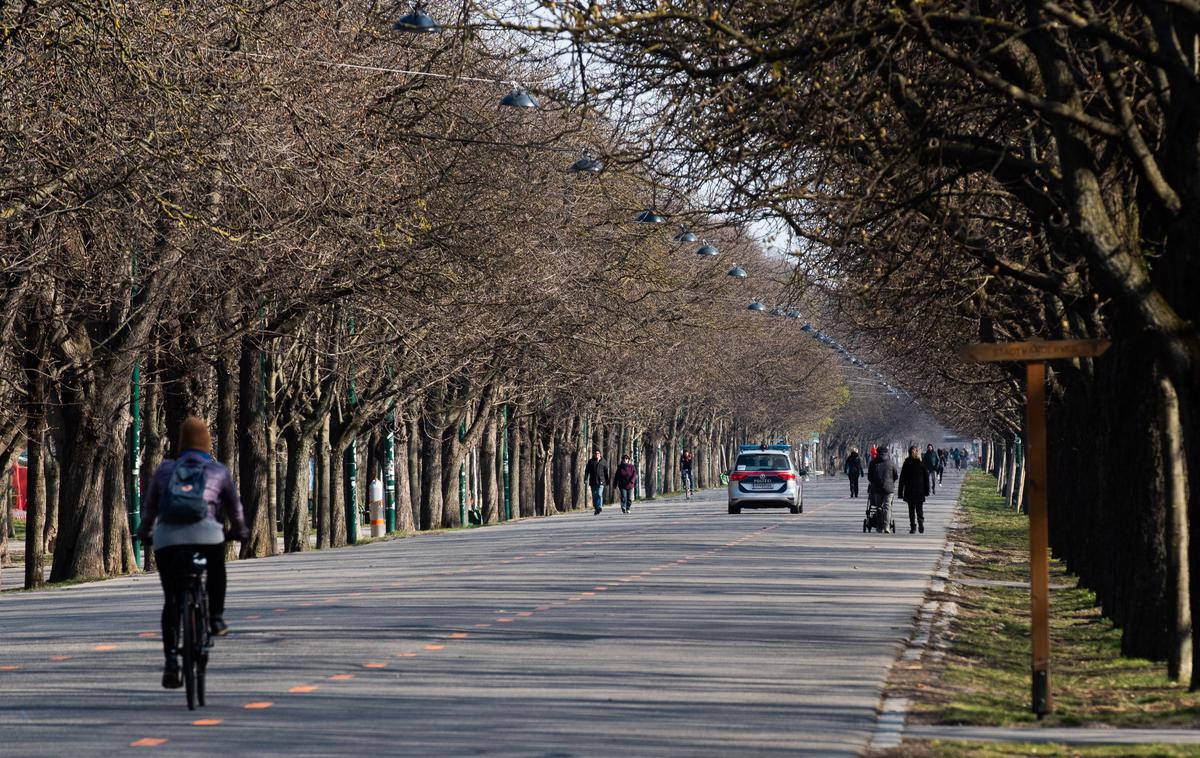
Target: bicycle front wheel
point(190, 659)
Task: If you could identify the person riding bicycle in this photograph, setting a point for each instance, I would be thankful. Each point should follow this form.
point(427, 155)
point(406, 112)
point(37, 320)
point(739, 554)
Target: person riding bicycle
point(185, 505)
point(685, 473)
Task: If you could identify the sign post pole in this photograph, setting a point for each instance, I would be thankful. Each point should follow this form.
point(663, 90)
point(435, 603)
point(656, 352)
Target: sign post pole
point(1034, 355)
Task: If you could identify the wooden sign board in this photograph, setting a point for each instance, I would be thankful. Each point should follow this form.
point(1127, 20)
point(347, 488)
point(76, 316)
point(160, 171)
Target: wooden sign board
point(1033, 350)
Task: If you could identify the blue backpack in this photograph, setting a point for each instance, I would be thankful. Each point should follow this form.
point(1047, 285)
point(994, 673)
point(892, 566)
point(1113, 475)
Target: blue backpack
point(183, 502)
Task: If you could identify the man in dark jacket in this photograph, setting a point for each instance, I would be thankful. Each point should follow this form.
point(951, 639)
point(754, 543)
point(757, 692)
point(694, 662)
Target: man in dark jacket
point(915, 483)
point(854, 469)
point(625, 479)
point(596, 476)
point(882, 476)
point(931, 461)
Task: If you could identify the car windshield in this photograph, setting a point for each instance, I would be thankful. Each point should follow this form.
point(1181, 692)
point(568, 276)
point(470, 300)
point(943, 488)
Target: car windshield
point(763, 462)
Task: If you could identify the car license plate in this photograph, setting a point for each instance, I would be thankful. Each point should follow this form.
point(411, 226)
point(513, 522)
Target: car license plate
point(762, 485)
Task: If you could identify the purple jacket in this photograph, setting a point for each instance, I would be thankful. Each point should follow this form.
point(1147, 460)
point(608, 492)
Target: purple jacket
point(625, 476)
point(219, 493)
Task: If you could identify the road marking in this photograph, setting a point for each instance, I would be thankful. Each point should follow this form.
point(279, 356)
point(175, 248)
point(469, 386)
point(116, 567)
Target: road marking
point(302, 688)
point(504, 620)
point(374, 665)
point(258, 706)
point(149, 742)
point(147, 635)
point(483, 626)
point(207, 722)
point(58, 658)
point(253, 617)
point(524, 614)
point(406, 654)
point(9, 667)
point(341, 677)
point(104, 648)
point(435, 647)
point(458, 635)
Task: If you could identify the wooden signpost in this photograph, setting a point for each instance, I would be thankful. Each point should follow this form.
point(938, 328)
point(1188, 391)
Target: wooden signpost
point(1034, 355)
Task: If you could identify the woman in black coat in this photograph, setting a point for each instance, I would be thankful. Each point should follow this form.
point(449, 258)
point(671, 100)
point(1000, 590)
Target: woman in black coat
point(914, 488)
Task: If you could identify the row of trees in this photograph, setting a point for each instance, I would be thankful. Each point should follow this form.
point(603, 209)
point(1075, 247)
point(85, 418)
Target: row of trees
point(951, 172)
point(328, 240)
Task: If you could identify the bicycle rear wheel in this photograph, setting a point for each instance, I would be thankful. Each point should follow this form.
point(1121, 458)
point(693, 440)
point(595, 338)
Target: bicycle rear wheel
point(189, 647)
point(202, 640)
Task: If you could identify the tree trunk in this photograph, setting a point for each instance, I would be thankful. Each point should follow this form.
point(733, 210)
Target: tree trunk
point(118, 545)
point(487, 473)
point(529, 434)
point(296, 489)
point(406, 517)
point(431, 473)
point(35, 502)
point(50, 531)
point(254, 462)
point(412, 455)
point(321, 453)
point(335, 463)
point(1175, 471)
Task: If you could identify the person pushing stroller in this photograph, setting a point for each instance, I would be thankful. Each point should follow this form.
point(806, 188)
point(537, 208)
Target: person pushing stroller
point(881, 485)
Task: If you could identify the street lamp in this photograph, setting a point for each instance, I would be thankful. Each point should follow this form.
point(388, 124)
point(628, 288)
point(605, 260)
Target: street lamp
point(417, 21)
point(708, 251)
point(518, 98)
point(737, 272)
point(651, 217)
point(777, 311)
point(756, 306)
point(793, 313)
point(685, 236)
point(586, 165)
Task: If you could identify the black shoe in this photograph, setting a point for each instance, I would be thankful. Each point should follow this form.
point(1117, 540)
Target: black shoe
point(218, 627)
point(921, 528)
point(912, 530)
point(172, 678)
point(596, 512)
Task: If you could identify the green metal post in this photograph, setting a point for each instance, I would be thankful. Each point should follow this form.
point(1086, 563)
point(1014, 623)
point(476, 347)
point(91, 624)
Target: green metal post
point(637, 483)
point(135, 460)
point(350, 460)
point(389, 472)
point(462, 480)
point(504, 457)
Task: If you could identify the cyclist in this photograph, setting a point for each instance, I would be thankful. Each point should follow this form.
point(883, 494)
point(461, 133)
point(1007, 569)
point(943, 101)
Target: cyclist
point(177, 533)
point(685, 474)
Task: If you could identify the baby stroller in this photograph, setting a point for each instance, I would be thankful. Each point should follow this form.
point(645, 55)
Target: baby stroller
point(879, 513)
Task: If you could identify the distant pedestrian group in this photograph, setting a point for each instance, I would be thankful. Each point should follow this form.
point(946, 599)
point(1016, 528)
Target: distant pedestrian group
point(624, 479)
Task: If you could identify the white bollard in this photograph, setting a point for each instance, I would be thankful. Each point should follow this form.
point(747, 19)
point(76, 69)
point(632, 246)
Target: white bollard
point(378, 525)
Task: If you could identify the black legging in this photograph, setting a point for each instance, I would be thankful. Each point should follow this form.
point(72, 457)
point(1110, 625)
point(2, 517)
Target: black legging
point(173, 564)
point(853, 485)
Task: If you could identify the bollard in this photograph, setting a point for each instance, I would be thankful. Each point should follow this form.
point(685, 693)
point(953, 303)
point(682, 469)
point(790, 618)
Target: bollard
point(378, 523)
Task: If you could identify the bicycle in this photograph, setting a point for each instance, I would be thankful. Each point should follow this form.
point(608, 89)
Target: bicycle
point(196, 638)
point(689, 486)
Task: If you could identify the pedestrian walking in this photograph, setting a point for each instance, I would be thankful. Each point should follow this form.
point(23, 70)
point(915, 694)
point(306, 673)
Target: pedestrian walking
point(186, 507)
point(964, 457)
point(954, 456)
point(931, 460)
point(943, 461)
point(914, 488)
point(685, 474)
point(854, 469)
point(625, 479)
point(596, 476)
point(881, 482)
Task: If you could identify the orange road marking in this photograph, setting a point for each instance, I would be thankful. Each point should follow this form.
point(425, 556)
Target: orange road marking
point(207, 722)
point(542, 608)
point(149, 742)
point(435, 647)
point(601, 587)
point(587, 594)
point(281, 610)
point(504, 620)
point(9, 667)
point(406, 654)
point(374, 665)
point(307, 605)
point(518, 557)
point(341, 677)
point(355, 594)
point(57, 658)
point(253, 618)
point(258, 706)
point(104, 648)
point(459, 635)
point(147, 635)
point(483, 626)
point(301, 688)
point(573, 599)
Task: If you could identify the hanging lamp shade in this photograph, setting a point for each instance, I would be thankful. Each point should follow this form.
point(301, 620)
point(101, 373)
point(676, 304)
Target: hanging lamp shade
point(518, 98)
point(708, 251)
point(686, 236)
point(793, 313)
point(737, 272)
point(417, 21)
point(651, 217)
point(777, 311)
point(807, 328)
point(756, 306)
point(586, 165)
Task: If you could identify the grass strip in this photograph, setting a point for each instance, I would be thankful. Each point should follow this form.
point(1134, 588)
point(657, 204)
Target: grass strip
point(986, 677)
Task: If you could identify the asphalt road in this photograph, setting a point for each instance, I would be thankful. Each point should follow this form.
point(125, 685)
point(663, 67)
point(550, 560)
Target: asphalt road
point(675, 630)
